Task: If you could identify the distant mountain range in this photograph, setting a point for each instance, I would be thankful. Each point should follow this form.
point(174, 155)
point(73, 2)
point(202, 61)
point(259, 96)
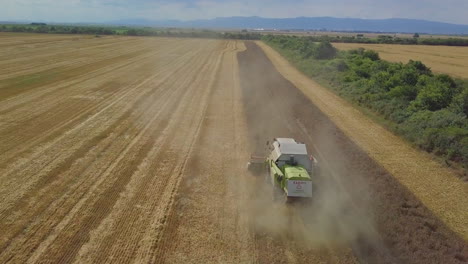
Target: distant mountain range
point(393, 25)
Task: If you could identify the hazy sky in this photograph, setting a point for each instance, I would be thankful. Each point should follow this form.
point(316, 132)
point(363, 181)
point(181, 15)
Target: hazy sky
point(452, 11)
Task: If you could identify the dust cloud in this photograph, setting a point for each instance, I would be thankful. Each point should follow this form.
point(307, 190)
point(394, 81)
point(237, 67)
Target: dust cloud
point(337, 215)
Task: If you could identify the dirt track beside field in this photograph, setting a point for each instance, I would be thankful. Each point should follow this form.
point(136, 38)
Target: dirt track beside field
point(117, 150)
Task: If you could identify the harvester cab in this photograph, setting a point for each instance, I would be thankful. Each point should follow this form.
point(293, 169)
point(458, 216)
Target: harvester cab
point(289, 168)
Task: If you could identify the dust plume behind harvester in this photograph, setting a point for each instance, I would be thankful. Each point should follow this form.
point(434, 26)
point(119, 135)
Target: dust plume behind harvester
point(288, 167)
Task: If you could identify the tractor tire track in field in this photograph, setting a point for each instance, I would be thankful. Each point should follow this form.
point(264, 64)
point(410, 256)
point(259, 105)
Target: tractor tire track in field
point(79, 125)
point(114, 128)
point(66, 111)
point(207, 222)
point(167, 152)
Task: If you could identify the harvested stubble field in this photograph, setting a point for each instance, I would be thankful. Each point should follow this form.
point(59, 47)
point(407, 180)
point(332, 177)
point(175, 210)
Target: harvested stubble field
point(441, 59)
point(117, 150)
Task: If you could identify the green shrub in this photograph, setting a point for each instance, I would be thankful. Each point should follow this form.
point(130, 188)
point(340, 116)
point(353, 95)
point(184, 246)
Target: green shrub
point(434, 95)
point(447, 141)
point(407, 92)
point(373, 55)
point(325, 50)
point(460, 102)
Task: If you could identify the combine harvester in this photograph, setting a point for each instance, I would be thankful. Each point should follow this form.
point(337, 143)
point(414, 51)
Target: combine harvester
point(288, 167)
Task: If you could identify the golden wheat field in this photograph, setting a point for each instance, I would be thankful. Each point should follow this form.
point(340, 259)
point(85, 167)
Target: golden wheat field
point(441, 59)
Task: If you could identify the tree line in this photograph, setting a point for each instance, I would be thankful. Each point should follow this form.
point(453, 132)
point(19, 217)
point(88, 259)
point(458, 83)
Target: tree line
point(388, 39)
point(244, 34)
point(127, 31)
point(428, 109)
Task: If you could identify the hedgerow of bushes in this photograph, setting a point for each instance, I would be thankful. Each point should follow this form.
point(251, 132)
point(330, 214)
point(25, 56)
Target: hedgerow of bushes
point(427, 109)
point(388, 39)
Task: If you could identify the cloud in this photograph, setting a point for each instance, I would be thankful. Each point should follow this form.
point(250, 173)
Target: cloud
point(453, 11)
